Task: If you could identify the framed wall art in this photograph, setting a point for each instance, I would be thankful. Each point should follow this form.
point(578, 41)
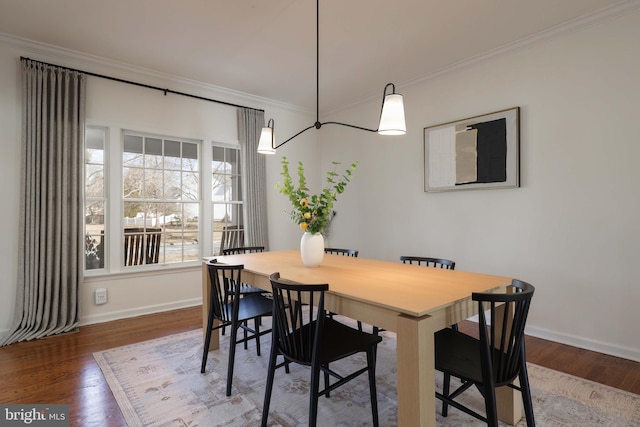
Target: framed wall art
point(480, 152)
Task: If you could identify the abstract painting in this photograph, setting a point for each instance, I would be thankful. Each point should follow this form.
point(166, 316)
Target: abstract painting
point(479, 152)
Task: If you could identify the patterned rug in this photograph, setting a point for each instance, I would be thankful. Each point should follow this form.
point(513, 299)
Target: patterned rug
point(158, 383)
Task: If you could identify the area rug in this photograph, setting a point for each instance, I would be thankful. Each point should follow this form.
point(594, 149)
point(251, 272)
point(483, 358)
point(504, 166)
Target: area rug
point(158, 383)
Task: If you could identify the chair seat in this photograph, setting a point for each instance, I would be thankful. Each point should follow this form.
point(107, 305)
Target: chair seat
point(252, 306)
point(340, 340)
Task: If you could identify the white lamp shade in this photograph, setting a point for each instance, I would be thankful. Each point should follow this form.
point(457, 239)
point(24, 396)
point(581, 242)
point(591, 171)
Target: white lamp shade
point(392, 117)
point(265, 145)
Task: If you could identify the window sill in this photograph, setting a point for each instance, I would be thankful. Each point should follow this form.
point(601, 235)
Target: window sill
point(142, 271)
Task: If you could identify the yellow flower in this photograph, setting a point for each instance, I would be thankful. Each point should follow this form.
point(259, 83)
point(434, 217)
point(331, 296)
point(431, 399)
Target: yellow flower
point(304, 203)
point(303, 226)
point(307, 215)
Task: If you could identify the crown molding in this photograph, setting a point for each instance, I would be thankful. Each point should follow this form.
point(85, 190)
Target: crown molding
point(619, 9)
point(95, 64)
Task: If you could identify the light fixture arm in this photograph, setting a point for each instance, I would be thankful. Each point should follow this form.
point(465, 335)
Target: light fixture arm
point(318, 124)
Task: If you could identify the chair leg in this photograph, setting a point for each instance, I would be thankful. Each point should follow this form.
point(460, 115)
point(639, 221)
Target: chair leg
point(207, 340)
point(446, 384)
point(269, 385)
point(526, 395)
point(313, 395)
point(371, 361)
point(326, 383)
point(232, 355)
point(244, 331)
point(256, 324)
point(360, 326)
point(489, 394)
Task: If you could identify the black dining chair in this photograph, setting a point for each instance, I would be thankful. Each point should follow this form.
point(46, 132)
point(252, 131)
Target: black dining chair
point(226, 306)
point(242, 250)
point(494, 360)
point(428, 262)
point(343, 252)
point(245, 288)
point(339, 251)
point(303, 334)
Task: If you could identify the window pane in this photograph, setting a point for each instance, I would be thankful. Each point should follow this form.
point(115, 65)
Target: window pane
point(172, 185)
point(132, 179)
point(95, 196)
point(153, 146)
point(154, 195)
point(153, 184)
point(174, 163)
point(189, 186)
point(218, 154)
point(94, 235)
point(190, 151)
point(172, 148)
point(94, 138)
point(132, 155)
point(94, 180)
point(226, 191)
point(132, 144)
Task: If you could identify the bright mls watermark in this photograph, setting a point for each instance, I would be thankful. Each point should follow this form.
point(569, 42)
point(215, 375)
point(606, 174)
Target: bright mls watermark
point(34, 415)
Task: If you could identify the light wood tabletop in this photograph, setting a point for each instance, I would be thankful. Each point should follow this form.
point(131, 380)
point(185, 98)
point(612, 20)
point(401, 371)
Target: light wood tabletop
point(412, 301)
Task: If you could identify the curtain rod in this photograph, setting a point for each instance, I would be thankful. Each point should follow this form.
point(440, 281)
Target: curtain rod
point(165, 91)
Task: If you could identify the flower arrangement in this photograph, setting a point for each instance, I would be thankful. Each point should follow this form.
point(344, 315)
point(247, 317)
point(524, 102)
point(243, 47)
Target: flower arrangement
point(313, 212)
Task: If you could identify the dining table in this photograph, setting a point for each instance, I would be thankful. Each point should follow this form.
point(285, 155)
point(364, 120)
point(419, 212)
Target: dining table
point(412, 301)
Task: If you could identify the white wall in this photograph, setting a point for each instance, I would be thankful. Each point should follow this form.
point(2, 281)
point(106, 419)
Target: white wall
point(572, 229)
point(119, 106)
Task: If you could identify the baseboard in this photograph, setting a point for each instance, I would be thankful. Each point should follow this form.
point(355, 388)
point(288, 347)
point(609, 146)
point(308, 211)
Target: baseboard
point(585, 343)
point(138, 311)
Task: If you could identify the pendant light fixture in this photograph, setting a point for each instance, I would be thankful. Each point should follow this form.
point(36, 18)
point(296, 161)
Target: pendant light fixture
point(391, 113)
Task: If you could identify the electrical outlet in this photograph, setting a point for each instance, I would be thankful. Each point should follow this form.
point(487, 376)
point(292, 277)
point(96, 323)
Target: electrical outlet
point(101, 296)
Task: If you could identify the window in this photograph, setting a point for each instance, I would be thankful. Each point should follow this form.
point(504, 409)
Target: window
point(226, 198)
point(160, 195)
point(95, 197)
point(145, 204)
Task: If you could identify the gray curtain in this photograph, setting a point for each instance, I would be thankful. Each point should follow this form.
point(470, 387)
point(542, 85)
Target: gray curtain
point(51, 210)
point(250, 123)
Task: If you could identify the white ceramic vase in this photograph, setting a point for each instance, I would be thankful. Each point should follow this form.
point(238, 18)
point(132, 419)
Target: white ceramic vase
point(312, 249)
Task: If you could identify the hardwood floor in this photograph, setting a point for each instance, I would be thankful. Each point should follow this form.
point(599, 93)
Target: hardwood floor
point(62, 369)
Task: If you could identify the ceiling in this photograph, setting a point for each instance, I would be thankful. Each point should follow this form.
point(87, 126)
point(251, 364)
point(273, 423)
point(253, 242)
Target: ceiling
point(267, 47)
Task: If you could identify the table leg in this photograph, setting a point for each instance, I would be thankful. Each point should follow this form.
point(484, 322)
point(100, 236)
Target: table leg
point(416, 373)
point(508, 400)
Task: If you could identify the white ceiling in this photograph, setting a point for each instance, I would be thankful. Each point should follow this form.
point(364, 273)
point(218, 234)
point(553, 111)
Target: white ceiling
point(267, 47)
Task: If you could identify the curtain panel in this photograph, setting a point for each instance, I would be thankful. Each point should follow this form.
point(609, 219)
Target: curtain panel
point(51, 247)
point(250, 123)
